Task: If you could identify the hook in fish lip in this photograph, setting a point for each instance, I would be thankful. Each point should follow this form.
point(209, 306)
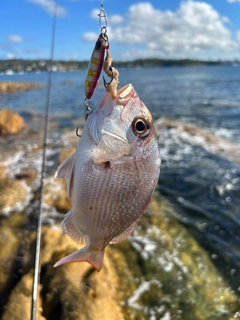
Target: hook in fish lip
point(105, 82)
point(79, 135)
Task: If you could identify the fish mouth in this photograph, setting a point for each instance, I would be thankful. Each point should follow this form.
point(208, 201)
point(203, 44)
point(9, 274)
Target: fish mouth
point(125, 94)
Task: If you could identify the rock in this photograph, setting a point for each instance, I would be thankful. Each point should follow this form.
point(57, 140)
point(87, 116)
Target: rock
point(9, 244)
point(69, 292)
point(12, 87)
point(159, 273)
point(10, 122)
point(175, 277)
point(13, 195)
point(55, 194)
point(27, 175)
point(3, 174)
point(10, 262)
point(64, 154)
point(70, 139)
point(19, 303)
point(55, 189)
point(80, 292)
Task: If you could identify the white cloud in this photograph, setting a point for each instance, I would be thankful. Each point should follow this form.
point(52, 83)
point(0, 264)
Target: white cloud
point(232, 1)
point(15, 38)
point(10, 55)
point(95, 14)
point(238, 37)
point(195, 27)
point(90, 36)
point(115, 19)
point(49, 6)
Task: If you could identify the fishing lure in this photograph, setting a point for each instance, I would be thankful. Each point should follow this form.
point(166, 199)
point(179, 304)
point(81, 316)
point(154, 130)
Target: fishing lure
point(95, 65)
point(96, 61)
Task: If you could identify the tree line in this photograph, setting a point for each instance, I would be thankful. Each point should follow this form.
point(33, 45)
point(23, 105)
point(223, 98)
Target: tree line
point(23, 65)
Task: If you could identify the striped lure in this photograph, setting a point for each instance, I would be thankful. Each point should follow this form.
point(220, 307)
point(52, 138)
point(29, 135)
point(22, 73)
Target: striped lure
point(95, 65)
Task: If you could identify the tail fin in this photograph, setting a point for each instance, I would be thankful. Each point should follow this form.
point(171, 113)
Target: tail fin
point(94, 258)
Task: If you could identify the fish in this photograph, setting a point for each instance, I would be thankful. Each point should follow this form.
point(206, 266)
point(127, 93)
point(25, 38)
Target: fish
point(112, 175)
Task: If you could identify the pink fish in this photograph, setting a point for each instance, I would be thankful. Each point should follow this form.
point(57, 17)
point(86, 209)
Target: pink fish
point(112, 175)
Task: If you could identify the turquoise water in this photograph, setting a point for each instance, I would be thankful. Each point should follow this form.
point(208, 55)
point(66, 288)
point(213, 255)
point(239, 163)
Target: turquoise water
point(202, 184)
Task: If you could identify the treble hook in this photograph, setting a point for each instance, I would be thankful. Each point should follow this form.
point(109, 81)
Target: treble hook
point(108, 83)
point(88, 110)
point(79, 135)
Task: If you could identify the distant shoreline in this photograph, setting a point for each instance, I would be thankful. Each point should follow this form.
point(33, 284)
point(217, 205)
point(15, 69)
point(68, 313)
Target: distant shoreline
point(13, 66)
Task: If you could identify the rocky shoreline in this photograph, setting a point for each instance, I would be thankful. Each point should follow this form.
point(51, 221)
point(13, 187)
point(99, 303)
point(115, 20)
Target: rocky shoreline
point(10, 122)
point(161, 272)
point(7, 87)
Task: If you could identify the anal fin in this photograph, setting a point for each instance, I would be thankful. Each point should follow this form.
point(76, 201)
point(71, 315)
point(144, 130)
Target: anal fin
point(71, 229)
point(125, 234)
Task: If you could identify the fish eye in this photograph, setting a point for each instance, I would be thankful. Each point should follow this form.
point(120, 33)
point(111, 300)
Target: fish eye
point(141, 127)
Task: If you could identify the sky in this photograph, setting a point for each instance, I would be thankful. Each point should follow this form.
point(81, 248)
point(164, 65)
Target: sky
point(170, 29)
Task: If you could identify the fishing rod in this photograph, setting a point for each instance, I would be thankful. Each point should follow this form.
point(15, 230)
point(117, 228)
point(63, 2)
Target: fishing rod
point(37, 268)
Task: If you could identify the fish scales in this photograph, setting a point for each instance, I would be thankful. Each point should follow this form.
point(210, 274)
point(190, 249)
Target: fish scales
point(111, 176)
point(120, 209)
point(135, 174)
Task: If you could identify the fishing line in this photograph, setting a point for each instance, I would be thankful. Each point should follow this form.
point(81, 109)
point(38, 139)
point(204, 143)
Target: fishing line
point(37, 269)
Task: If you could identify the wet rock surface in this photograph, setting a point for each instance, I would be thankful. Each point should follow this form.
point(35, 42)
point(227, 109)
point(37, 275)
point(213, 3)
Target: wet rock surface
point(161, 271)
point(19, 303)
point(208, 140)
point(64, 154)
point(10, 122)
point(55, 194)
point(12, 87)
point(13, 194)
point(8, 249)
point(175, 276)
point(73, 292)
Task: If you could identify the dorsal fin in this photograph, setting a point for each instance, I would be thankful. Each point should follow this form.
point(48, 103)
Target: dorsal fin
point(65, 171)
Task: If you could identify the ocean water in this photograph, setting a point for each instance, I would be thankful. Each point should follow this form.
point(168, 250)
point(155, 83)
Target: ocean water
point(200, 177)
point(206, 96)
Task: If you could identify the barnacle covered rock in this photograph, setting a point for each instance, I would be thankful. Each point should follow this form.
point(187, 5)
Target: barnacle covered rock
point(13, 196)
point(10, 122)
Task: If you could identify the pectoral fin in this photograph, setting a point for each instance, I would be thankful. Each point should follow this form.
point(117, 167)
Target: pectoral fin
point(110, 148)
